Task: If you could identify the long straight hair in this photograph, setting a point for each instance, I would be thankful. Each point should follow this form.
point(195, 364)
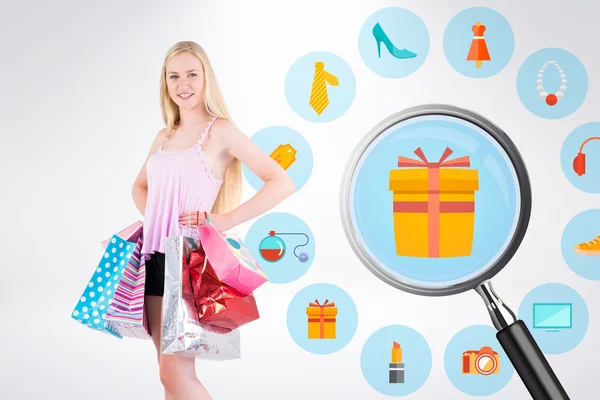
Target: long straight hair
point(231, 189)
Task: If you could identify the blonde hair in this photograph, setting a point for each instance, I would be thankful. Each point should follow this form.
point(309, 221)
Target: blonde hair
point(231, 189)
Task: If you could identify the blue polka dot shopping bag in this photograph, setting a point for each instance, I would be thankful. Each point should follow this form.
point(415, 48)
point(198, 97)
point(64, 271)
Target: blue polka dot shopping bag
point(98, 295)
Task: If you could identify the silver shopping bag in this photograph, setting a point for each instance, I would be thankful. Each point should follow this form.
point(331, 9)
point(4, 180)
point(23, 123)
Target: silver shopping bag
point(182, 333)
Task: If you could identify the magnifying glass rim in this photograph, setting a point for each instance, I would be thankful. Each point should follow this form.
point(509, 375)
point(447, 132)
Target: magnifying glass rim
point(466, 115)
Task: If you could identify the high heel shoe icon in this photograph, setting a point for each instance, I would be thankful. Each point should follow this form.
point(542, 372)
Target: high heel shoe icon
point(380, 36)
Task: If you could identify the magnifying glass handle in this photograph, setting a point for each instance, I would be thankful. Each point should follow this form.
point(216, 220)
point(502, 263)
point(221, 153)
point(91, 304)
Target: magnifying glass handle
point(530, 363)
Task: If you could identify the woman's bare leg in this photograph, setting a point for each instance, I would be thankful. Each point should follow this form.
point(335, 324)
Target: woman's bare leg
point(153, 306)
point(177, 373)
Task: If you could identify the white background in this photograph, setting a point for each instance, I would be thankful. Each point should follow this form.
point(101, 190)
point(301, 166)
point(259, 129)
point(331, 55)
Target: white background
point(79, 106)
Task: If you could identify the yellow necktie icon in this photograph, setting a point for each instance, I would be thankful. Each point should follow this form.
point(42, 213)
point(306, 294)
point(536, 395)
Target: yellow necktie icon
point(318, 96)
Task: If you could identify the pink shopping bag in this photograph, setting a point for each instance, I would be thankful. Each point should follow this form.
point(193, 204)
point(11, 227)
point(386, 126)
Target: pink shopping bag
point(231, 260)
point(130, 233)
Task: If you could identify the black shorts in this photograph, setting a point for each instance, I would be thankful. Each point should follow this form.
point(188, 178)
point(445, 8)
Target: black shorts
point(155, 275)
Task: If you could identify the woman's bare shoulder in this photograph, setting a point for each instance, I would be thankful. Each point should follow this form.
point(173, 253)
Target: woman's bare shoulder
point(158, 138)
point(162, 134)
point(225, 131)
point(222, 124)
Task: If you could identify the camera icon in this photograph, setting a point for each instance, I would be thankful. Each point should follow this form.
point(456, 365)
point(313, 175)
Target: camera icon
point(481, 362)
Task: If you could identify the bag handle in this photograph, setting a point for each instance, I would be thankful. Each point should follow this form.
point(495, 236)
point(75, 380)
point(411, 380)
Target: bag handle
point(206, 217)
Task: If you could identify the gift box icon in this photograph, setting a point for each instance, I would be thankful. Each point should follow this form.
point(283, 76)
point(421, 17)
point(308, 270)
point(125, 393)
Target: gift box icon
point(434, 206)
point(321, 320)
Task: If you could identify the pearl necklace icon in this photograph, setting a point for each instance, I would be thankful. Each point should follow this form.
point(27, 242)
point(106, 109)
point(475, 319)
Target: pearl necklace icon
point(552, 99)
point(272, 248)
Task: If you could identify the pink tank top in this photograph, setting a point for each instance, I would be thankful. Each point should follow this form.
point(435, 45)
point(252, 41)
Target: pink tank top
point(178, 182)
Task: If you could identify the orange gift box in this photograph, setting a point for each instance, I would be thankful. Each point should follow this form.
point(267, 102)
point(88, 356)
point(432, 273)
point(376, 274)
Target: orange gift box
point(434, 206)
point(321, 320)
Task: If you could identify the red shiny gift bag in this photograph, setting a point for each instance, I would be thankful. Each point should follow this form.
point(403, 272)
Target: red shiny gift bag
point(218, 304)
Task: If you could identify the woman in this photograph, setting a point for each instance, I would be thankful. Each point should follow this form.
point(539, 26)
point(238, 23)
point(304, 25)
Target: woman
point(194, 166)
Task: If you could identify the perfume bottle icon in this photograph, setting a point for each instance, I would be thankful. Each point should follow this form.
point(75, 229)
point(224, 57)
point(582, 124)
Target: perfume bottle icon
point(272, 248)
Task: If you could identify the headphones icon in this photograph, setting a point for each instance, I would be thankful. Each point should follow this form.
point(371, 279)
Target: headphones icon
point(579, 161)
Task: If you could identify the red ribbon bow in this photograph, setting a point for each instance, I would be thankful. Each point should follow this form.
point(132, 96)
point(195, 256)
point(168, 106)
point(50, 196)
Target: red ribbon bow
point(317, 304)
point(457, 162)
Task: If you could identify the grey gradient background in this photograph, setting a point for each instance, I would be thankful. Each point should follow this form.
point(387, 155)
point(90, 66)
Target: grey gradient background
point(79, 107)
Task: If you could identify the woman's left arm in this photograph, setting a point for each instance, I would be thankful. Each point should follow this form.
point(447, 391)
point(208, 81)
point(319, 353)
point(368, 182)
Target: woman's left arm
point(277, 183)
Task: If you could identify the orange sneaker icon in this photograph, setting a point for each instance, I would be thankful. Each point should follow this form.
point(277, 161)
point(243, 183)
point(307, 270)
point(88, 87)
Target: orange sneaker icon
point(591, 248)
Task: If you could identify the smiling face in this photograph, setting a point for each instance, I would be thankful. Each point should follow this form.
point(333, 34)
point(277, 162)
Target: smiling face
point(185, 80)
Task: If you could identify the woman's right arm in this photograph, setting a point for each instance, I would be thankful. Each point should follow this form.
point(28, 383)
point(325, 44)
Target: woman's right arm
point(139, 191)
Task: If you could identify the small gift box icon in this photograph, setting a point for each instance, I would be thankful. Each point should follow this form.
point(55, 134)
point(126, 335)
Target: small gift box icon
point(434, 206)
point(321, 320)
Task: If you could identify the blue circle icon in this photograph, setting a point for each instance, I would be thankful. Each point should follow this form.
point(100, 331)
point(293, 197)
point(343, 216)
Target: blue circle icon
point(388, 185)
point(552, 83)
point(322, 318)
point(479, 42)
point(580, 244)
point(320, 87)
point(580, 157)
point(557, 317)
point(393, 42)
point(475, 362)
point(396, 360)
point(283, 245)
point(289, 149)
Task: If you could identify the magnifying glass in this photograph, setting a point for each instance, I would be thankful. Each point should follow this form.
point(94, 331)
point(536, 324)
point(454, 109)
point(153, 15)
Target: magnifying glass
point(435, 201)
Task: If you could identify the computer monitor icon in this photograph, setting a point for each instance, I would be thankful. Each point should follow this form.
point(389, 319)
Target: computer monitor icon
point(552, 316)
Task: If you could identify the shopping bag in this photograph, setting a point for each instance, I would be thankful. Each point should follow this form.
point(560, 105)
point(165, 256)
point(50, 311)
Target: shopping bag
point(231, 260)
point(182, 332)
point(129, 233)
point(93, 304)
point(126, 313)
point(218, 304)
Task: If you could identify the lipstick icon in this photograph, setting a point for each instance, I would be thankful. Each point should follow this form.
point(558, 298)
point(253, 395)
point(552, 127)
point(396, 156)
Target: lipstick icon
point(396, 366)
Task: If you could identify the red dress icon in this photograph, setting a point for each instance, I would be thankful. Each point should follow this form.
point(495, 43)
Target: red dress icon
point(478, 51)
